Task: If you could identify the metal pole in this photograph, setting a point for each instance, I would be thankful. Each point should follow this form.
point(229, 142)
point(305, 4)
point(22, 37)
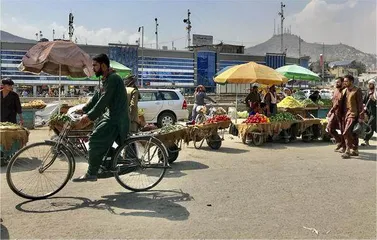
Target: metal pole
point(323, 65)
point(156, 33)
point(142, 55)
point(281, 13)
point(299, 47)
point(189, 28)
point(60, 85)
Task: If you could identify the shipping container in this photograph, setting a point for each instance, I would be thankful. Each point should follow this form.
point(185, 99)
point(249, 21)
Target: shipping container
point(275, 60)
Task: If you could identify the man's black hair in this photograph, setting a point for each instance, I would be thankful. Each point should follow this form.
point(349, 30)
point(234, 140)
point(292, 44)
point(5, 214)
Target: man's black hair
point(340, 78)
point(350, 77)
point(102, 58)
point(7, 81)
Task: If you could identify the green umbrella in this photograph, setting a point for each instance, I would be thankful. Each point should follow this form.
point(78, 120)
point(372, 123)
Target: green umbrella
point(298, 73)
point(120, 69)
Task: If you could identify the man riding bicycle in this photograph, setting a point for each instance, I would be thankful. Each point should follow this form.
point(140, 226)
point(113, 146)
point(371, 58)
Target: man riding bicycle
point(110, 102)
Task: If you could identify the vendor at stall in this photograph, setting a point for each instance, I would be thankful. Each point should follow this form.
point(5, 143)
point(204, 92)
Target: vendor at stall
point(10, 103)
point(315, 97)
point(287, 92)
point(133, 97)
point(270, 99)
point(253, 99)
point(199, 96)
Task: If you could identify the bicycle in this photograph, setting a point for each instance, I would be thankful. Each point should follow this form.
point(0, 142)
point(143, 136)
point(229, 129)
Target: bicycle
point(138, 157)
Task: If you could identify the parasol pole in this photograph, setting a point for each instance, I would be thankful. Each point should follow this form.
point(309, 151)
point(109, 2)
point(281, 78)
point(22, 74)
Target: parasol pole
point(60, 85)
point(236, 103)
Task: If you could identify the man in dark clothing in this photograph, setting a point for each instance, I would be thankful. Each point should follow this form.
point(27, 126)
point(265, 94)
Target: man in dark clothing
point(252, 99)
point(315, 97)
point(370, 109)
point(335, 116)
point(10, 103)
point(271, 101)
point(110, 104)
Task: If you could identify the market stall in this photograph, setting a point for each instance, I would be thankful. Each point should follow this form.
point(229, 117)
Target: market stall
point(257, 128)
point(12, 138)
point(212, 131)
point(28, 112)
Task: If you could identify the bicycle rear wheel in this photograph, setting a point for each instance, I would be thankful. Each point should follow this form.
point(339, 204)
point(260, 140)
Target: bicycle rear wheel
point(141, 163)
point(39, 170)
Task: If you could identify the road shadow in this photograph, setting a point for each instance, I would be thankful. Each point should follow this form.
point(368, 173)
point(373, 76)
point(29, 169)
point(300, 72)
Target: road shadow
point(366, 156)
point(159, 204)
point(179, 166)
point(4, 232)
point(224, 150)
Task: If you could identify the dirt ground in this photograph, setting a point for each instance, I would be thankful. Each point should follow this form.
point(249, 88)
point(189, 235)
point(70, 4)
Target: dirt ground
point(296, 190)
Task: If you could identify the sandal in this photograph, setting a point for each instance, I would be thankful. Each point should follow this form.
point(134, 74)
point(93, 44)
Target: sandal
point(355, 153)
point(346, 155)
point(338, 147)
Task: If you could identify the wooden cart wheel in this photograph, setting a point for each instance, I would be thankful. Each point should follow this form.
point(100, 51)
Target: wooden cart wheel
point(173, 152)
point(258, 139)
point(214, 141)
point(307, 135)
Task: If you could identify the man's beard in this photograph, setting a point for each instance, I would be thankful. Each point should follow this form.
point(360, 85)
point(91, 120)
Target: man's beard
point(99, 73)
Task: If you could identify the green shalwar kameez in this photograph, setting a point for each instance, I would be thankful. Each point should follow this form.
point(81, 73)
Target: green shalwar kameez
point(111, 104)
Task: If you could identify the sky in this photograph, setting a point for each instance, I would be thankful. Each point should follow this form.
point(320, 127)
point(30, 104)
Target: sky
point(244, 22)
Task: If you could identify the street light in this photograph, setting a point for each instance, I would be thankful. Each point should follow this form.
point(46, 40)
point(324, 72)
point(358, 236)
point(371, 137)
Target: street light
point(141, 29)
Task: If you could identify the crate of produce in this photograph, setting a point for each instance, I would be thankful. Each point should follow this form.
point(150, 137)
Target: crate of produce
point(12, 138)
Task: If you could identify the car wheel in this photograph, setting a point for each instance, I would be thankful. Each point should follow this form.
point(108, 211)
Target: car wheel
point(166, 119)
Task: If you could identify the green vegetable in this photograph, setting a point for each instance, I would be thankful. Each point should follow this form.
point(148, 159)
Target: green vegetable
point(170, 128)
point(308, 103)
point(8, 124)
point(282, 117)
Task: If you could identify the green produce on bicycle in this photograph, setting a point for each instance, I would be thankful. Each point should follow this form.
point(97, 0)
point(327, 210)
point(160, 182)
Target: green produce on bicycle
point(110, 103)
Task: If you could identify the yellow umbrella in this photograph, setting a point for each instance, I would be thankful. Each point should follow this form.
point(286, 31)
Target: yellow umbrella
point(251, 72)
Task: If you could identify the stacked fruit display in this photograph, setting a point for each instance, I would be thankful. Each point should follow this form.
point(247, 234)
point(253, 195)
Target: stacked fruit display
point(218, 118)
point(36, 104)
point(257, 118)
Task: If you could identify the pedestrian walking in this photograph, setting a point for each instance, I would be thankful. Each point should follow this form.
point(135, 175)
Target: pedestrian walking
point(353, 113)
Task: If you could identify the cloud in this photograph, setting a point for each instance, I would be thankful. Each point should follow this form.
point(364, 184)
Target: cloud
point(352, 22)
point(101, 36)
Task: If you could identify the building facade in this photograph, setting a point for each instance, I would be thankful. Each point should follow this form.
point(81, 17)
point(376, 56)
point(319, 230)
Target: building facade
point(153, 67)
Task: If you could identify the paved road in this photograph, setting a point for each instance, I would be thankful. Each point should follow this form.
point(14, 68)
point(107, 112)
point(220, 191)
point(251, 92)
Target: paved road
point(274, 191)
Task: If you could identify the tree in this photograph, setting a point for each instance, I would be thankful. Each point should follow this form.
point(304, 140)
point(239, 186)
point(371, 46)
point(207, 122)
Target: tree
point(361, 67)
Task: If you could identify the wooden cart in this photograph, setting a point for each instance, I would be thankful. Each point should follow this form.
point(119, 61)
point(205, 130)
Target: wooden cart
point(11, 140)
point(212, 133)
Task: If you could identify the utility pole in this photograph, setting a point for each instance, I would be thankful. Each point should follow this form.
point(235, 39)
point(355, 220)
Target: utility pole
point(70, 26)
point(299, 47)
point(156, 33)
point(323, 61)
point(53, 34)
point(188, 22)
point(172, 45)
point(141, 29)
point(274, 26)
point(36, 36)
point(281, 13)
point(40, 35)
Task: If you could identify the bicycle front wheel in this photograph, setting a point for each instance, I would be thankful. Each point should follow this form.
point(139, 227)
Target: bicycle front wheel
point(39, 170)
point(141, 163)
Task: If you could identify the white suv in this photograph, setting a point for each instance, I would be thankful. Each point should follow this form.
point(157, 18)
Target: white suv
point(163, 106)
